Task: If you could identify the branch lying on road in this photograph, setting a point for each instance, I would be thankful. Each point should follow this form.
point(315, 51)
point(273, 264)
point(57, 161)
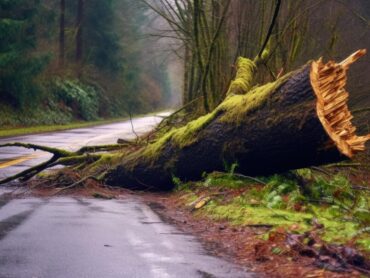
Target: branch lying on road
point(60, 157)
point(55, 151)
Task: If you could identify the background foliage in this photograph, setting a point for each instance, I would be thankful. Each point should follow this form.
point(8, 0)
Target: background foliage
point(110, 79)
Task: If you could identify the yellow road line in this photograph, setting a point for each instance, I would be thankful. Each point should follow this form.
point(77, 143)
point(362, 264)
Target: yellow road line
point(17, 161)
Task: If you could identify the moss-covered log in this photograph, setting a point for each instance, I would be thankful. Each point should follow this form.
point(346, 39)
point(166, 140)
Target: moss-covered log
point(300, 120)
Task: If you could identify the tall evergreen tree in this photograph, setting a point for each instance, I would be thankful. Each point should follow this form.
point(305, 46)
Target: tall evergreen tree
point(101, 42)
point(18, 65)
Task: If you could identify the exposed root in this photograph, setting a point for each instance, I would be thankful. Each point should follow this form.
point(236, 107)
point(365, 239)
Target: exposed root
point(328, 81)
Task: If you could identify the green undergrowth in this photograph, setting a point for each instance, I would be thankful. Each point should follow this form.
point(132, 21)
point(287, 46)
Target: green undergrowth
point(68, 101)
point(283, 202)
point(33, 115)
point(105, 162)
point(80, 99)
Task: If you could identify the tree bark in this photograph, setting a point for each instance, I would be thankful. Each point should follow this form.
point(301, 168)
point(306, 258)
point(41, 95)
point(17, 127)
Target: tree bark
point(79, 39)
point(300, 120)
point(62, 33)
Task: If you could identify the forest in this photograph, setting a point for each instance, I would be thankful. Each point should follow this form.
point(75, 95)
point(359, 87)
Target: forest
point(264, 152)
point(63, 61)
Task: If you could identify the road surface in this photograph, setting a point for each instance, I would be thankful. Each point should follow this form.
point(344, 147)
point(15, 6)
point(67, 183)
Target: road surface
point(82, 237)
point(14, 160)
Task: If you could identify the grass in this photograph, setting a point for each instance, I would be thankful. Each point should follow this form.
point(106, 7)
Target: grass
point(344, 213)
point(10, 132)
point(17, 131)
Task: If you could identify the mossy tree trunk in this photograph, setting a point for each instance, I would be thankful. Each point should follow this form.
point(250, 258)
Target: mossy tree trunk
point(300, 120)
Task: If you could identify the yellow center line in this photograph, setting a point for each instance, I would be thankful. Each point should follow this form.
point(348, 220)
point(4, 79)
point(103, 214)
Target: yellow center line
point(17, 161)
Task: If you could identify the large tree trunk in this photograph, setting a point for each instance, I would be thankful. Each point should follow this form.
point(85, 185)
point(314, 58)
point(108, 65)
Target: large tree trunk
point(300, 120)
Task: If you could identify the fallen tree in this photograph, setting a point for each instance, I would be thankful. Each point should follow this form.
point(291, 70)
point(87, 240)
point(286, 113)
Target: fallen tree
point(300, 120)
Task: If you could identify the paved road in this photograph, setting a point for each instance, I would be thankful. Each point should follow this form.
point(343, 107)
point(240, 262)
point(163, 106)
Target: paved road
point(82, 237)
point(14, 160)
point(71, 237)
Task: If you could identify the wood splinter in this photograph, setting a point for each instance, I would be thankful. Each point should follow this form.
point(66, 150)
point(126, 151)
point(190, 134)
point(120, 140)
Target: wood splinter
point(328, 82)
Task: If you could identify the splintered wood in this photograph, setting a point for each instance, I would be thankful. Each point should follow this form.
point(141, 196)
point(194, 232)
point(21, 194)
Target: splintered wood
point(328, 82)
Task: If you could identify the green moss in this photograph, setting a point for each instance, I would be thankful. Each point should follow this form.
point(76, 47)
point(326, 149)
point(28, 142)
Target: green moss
point(153, 149)
point(224, 181)
point(364, 243)
point(255, 205)
point(244, 77)
point(106, 161)
point(338, 231)
point(236, 107)
point(240, 214)
point(233, 109)
point(182, 137)
point(188, 134)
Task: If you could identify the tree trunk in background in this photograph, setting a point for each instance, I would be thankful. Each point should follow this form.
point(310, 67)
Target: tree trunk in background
point(198, 4)
point(61, 33)
point(79, 39)
point(300, 120)
point(185, 96)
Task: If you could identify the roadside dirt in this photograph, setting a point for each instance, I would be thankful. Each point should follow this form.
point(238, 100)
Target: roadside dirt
point(241, 245)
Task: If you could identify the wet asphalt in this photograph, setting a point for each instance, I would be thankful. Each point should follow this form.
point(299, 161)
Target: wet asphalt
point(72, 237)
point(70, 140)
point(83, 237)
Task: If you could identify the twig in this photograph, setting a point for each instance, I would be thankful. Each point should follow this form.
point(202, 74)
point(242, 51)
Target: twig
point(343, 165)
point(249, 178)
point(367, 109)
point(318, 169)
point(55, 151)
point(29, 173)
point(72, 185)
point(358, 187)
point(132, 126)
point(179, 110)
point(75, 159)
point(60, 157)
point(102, 148)
point(244, 177)
point(276, 13)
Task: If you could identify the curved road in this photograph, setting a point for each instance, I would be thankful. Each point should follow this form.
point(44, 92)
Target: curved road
point(82, 237)
point(14, 160)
